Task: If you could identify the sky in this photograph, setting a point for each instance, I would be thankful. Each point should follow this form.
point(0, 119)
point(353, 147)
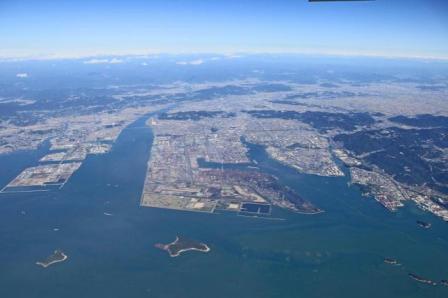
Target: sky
point(390, 28)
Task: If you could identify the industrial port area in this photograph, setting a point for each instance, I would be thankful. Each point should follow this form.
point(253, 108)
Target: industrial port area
point(190, 168)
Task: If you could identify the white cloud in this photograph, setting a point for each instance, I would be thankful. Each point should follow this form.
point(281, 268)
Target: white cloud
point(197, 62)
point(22, 75)
point(103, 61)
point(233, 56)
point(203, 60)
point(96, 61)
point(193, 62)
point(115, 61)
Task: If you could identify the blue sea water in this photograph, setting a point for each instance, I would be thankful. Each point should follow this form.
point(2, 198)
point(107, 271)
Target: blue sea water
point(338, 253)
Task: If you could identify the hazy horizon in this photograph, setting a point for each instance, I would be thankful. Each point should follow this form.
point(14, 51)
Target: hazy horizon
point(67, 29)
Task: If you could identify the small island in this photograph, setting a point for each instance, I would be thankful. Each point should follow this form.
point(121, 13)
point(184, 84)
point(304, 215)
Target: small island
point(181, 245)
point(421, 279)
point(391, 261)
point(444, 282)
point(56, 257)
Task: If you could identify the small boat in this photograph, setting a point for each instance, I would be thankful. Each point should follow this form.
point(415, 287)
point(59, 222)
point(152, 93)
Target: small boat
point(425, 225)
point(391, 261)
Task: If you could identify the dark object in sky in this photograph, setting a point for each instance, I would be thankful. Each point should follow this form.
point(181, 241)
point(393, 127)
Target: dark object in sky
point(338, 0)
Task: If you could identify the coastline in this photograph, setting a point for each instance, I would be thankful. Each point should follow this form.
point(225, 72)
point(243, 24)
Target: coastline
point(167, 247)
point(207, 249)
point(46, 265)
